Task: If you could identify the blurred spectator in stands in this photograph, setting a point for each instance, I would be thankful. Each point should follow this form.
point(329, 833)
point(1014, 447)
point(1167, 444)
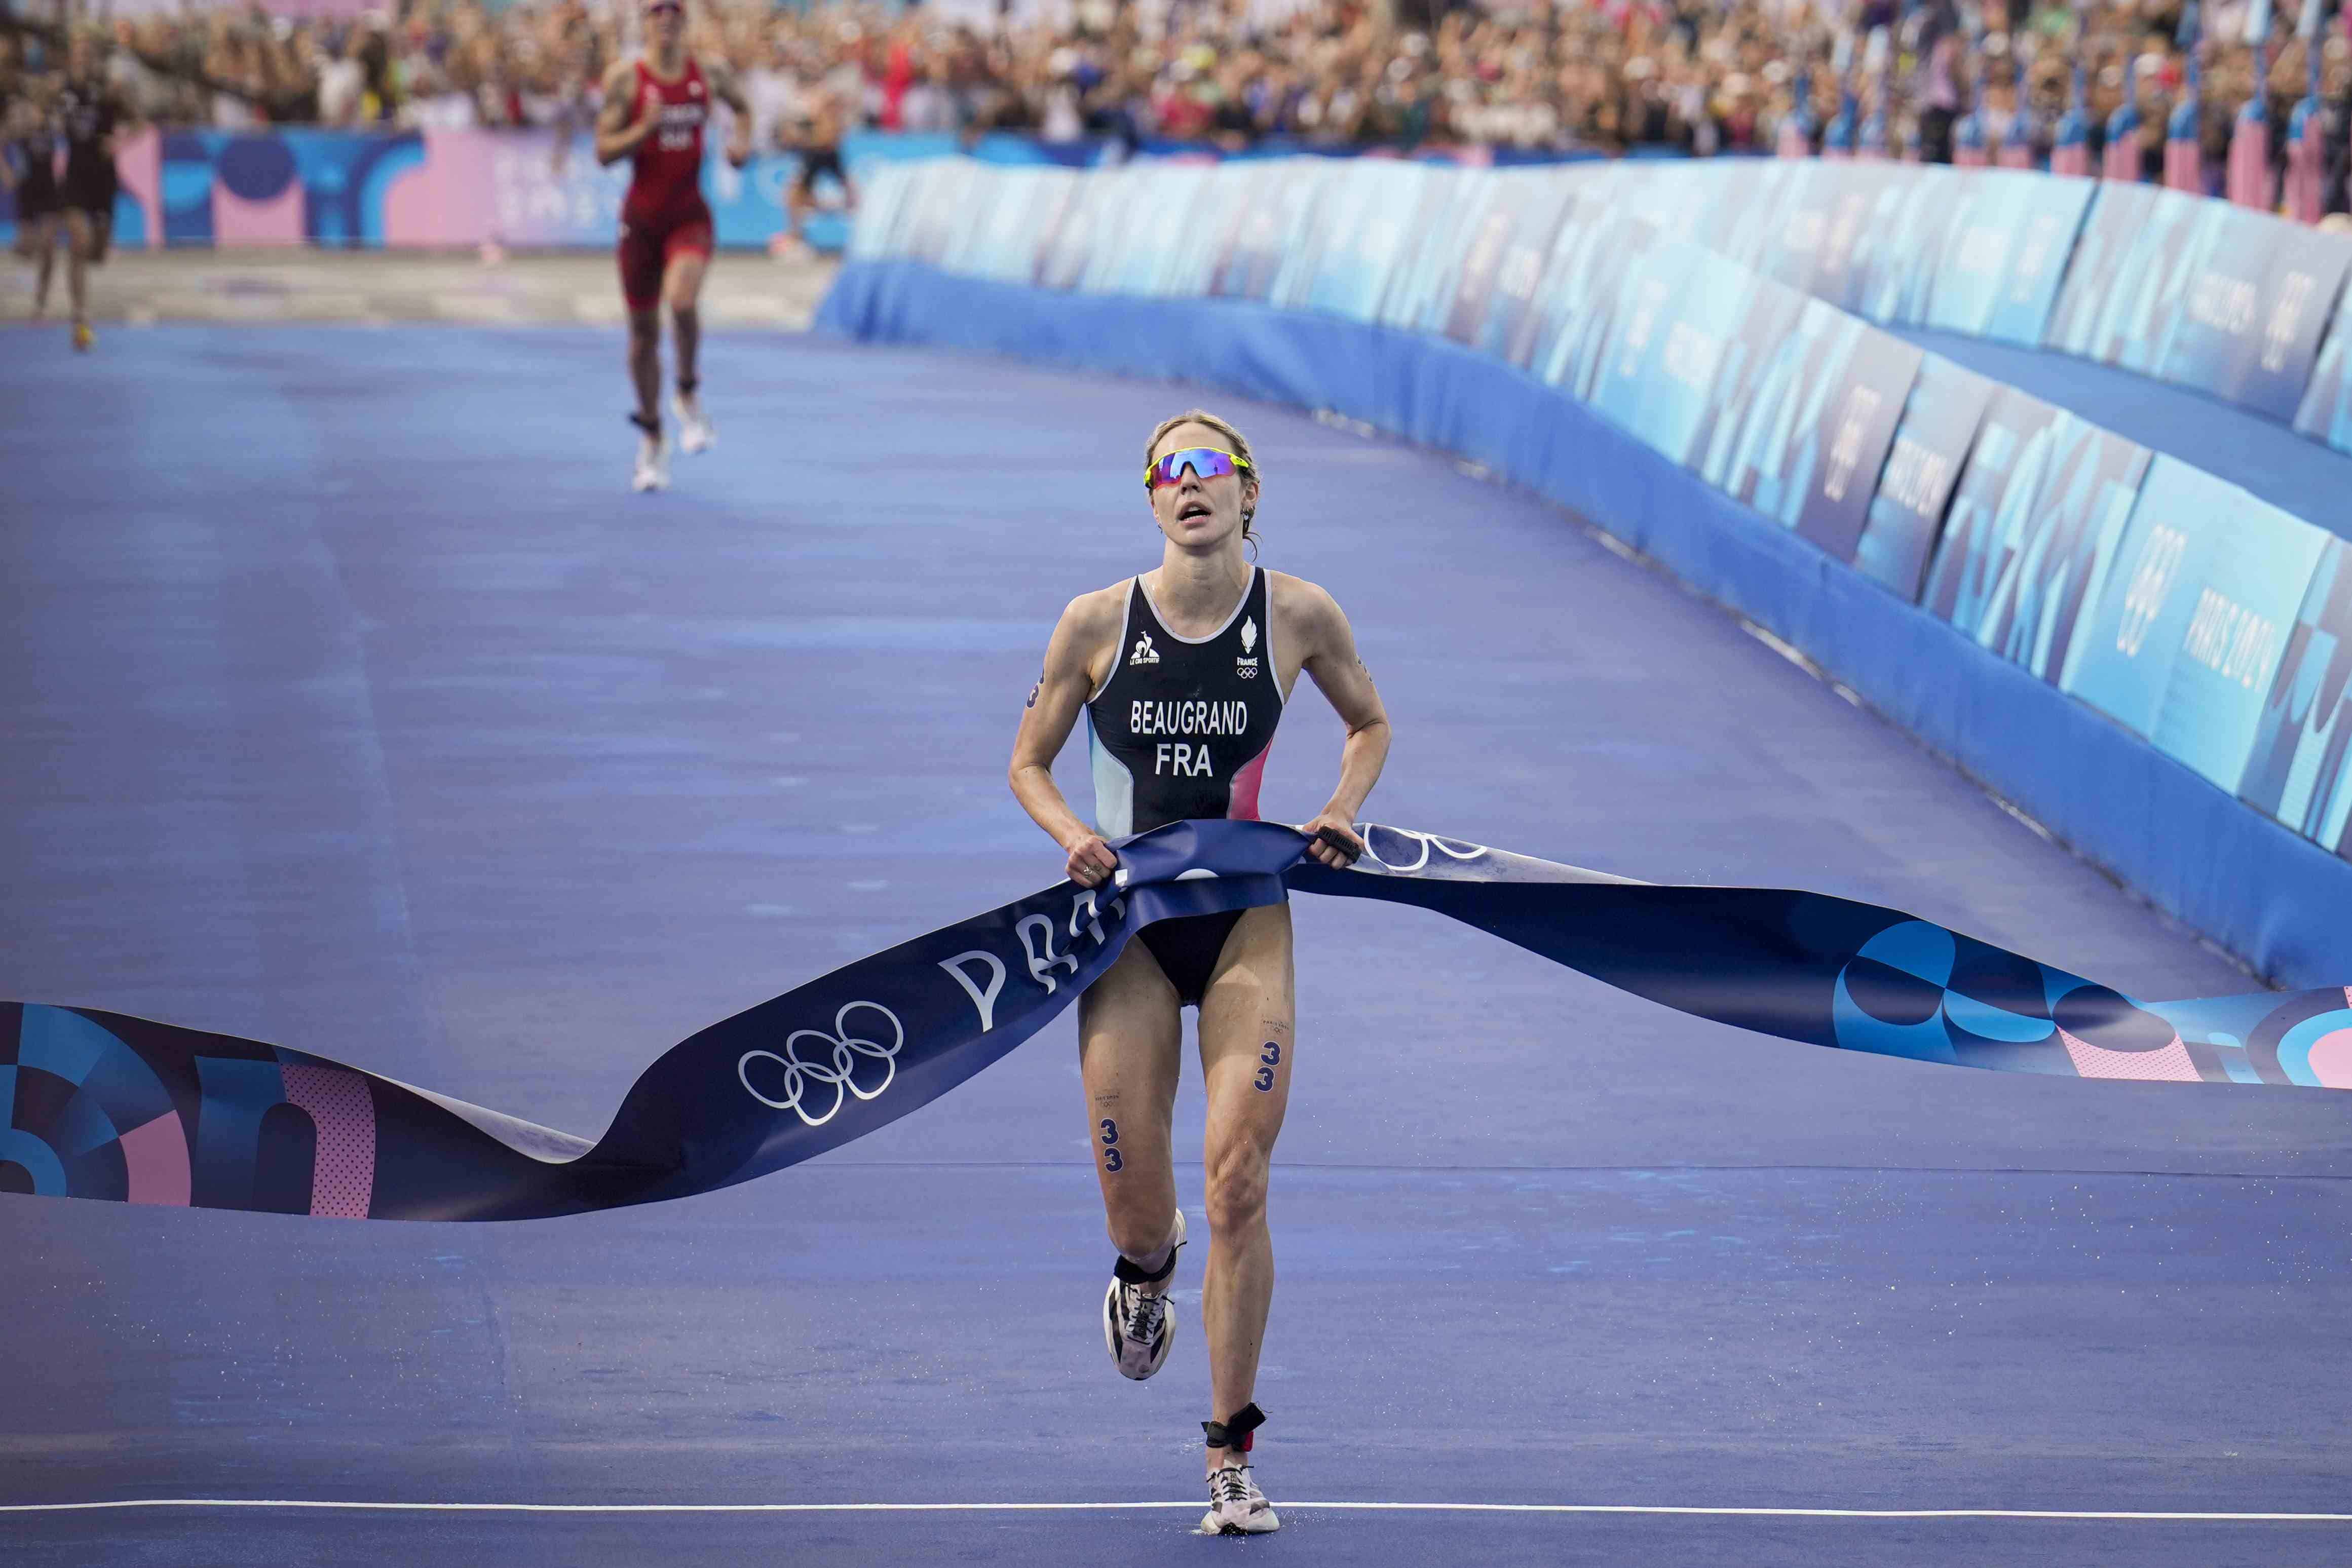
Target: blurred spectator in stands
point(1537, 76)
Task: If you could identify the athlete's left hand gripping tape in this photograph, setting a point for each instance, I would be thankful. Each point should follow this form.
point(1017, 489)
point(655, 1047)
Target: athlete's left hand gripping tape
point(96, 1106)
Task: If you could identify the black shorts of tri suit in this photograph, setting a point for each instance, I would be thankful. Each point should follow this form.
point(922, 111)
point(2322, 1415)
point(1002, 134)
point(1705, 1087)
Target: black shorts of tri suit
point(817, 162)
point(92, 192)
point(1188, 949)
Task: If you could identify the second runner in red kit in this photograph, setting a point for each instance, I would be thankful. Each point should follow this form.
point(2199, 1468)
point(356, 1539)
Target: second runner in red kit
point(655, 109)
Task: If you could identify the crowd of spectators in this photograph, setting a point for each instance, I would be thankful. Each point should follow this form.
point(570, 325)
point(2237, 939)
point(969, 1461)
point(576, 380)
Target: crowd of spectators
point(1698, 75)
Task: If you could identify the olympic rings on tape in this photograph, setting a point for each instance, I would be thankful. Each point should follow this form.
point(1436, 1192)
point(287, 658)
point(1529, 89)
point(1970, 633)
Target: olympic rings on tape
point(839, 1075)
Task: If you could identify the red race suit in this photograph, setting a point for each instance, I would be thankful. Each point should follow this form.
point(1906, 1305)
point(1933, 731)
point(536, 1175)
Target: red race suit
point(663, 215)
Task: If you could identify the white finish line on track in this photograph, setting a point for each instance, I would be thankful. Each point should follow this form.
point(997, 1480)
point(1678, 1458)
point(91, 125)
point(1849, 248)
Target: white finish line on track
point(1584, 1508)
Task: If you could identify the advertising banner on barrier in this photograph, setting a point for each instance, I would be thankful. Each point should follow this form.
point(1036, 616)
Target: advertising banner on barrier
point(1283, 194)
point(1145, 253)
point(1496, 288)
point(1119, 255)
point(1019, 252)
point(1804, 441)
point(1213, 226)
point(2183, 641)
point(2004, 253)
point(1561, 337)
point(461, 188)
point(1674, 198)
point(1751, 375)
point(934, 209)
point(2033, 529)
point(439, 188)
point(1677, 320)
point(1212, 214)
point(1061, 257)
point(2255, 299)
point(980, 195)
point(1796, 221)
point(1892, 274)
point(1756, 214)
point(1845, 207)
point(880, 212)
point(1348, 254)
point(2299, 769)
point(2123, 285)
point(1420, 285)
point(1924, 465)
point(2325, 412)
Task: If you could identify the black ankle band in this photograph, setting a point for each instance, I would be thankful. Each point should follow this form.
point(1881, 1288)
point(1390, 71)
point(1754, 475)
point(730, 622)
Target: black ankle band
point(650, 426)
point(1235, 1433)
point(1132, 1274)
point(688, 387)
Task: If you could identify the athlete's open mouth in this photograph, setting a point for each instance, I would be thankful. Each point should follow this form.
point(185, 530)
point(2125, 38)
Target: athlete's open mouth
point(1191, 509)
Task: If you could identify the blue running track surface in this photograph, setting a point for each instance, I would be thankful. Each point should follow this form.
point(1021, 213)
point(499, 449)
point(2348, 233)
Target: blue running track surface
point(353, 703)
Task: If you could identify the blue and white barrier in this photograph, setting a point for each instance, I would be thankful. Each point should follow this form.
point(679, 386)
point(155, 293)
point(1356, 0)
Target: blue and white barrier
point(2146, 659)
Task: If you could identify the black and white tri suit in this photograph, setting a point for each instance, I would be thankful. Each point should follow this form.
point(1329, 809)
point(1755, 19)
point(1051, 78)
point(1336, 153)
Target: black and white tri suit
point(1179, 729)
point(86, 117)
point(34, 160)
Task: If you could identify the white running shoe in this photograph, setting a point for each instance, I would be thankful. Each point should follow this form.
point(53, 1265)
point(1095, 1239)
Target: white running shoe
point(652, 465)
point(694, 431)
point(1235, 1505)
point(1137, 1324)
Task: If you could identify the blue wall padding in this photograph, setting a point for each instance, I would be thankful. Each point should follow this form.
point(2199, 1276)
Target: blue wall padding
point(2275, 899)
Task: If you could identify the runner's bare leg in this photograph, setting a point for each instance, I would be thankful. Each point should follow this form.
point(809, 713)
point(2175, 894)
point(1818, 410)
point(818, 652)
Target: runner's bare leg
point(645, 362)
point(1247, 1035)
point(682, 288)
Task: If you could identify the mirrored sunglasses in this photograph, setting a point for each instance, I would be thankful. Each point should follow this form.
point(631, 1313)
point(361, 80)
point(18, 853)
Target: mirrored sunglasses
point(1207, 461)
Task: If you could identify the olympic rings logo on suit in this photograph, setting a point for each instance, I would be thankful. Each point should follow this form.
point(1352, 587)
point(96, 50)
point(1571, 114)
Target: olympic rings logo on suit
point(848, 1050)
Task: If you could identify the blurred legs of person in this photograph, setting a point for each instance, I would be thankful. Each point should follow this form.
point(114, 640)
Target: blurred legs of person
point(87, 233)
point(682, 290)
point(36, 242)
point(800, 200)
point(652, 472)
point(663, 270)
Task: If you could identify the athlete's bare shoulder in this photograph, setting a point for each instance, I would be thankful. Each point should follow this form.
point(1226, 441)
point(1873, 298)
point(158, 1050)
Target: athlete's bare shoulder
point(1093, 619)
point(619, 74)
point(1082, 644)
point(1302, 609)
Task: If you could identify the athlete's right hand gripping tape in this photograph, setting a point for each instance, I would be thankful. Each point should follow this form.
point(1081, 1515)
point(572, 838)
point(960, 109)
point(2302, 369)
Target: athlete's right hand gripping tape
point(99, 1105)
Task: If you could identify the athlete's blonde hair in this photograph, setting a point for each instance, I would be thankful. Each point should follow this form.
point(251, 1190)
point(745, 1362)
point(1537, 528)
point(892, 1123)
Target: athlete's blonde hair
point(1237, 443)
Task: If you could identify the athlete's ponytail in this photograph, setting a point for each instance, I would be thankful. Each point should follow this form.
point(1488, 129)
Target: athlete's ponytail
point(1238, 443)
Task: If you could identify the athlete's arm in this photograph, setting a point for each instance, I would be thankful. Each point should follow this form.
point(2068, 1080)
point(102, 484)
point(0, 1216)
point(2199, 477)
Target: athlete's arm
point(727, 90)
point(1068, 680)
point(1339, 675)
point(617, 137)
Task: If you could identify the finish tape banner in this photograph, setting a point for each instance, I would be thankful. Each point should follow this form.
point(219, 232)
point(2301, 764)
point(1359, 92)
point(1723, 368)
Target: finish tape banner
point(97, 1105)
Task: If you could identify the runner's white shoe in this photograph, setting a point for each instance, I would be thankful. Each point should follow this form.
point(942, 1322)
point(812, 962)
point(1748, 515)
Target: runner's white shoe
point(1137, 1324)
point(694, 432)
point(1235, 1505)
point(652, 465)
